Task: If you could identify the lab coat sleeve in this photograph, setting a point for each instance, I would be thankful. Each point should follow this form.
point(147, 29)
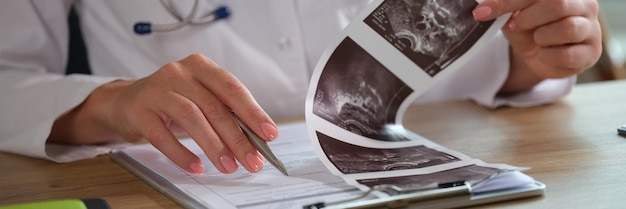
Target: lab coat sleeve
point(482, 77)
point(33, 88)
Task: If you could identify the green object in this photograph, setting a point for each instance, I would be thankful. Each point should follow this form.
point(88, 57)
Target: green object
point(61, 204)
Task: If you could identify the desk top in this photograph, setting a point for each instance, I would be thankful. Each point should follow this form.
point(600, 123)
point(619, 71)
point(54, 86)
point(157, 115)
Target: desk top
point(572, 146)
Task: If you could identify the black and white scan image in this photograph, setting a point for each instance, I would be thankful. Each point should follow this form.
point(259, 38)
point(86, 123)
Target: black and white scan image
point(349, 158)
point(472, 174)
point(357, 93)
point(432, 33)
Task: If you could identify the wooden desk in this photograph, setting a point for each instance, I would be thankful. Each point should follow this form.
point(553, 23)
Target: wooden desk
point(572, 146)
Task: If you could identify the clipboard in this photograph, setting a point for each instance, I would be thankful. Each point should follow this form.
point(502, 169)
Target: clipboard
point(454, 197)
point(152, 167)
point(155, 180)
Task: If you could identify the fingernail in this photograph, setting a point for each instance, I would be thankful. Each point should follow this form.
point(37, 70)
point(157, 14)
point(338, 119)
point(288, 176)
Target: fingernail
point(228, 163)
point(270, 131)
point(512, 25)
point(482, 12)
point(196, 167)
point(255, 161)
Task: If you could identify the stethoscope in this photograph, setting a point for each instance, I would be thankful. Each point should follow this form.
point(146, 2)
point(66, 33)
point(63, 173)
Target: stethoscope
point(143, 28)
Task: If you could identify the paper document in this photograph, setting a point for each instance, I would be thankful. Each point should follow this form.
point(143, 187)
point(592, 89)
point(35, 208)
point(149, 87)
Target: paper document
point(353, 138)
point(375, 69)
point(308, 181)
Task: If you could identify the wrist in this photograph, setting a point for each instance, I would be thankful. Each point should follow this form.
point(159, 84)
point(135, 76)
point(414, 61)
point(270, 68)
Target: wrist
point(521, 77)
point(88, 123)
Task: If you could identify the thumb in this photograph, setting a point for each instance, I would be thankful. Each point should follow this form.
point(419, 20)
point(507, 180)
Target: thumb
point(491, 9)
point(520, 40)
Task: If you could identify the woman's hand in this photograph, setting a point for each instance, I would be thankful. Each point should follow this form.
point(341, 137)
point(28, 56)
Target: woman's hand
point(192, 96)
point(548, 38)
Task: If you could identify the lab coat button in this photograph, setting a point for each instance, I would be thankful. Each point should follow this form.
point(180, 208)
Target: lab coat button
point(284, 43)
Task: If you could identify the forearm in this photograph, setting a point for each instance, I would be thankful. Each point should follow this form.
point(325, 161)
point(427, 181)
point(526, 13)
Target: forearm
point(31, 101)
point(88, 123)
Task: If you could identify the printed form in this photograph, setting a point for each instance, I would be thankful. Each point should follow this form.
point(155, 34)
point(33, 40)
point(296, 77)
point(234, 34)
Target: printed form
point(353, 138)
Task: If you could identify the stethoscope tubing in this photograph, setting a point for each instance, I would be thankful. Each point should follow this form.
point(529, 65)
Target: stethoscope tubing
point(143, 28)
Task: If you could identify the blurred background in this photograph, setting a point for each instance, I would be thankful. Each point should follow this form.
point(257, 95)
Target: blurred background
point(612, 64)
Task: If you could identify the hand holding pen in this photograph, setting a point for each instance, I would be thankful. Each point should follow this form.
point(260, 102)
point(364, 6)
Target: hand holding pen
point(261, 146)
point(192, 96)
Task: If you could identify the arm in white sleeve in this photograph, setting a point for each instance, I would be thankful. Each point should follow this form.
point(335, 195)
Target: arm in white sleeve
point(33, 88)
point(483, 76)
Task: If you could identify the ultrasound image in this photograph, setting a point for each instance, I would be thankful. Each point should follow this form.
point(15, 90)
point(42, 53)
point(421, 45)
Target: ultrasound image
point(472, 174)
point(357, 93)
point(432, 33)
point(349, 158)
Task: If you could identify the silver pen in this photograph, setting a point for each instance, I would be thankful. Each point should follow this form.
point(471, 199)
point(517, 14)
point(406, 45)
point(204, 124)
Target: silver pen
point(261, 145)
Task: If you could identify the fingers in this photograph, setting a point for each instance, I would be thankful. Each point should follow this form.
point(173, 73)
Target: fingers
point(201, 108)
point(535, 12)
point(570, 30)
point(555, 38)
point(568, 60)
point(567, 31)
point(551, 11)
point(193, 95)
point(577, 47)
point(209, 123)
point(491, 9)
point(234, 95)
point(162, 139)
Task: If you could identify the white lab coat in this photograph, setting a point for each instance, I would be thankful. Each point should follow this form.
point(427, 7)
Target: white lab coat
point(272, 46)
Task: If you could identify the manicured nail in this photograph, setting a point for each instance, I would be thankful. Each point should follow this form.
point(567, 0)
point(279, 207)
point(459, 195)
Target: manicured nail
point(196, 167)
point(228, 163)
point(255, 161)
point(270, 131)
point(512, 26)
point(482, 12)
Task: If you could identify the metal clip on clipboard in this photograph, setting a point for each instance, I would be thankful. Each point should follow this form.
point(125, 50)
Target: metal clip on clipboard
point(406, 197)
